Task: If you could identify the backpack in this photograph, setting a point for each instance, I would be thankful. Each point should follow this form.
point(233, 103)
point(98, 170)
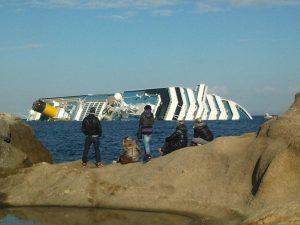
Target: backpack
point(124, 159)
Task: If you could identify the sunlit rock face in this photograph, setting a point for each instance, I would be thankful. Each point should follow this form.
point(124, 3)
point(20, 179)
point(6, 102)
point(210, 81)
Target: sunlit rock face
point(276, 176)
point(19, 147)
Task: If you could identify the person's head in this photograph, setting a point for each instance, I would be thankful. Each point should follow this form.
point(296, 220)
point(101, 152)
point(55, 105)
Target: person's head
point(198, 123)
point(147, 107)
point(198, 120)
point(179, 122)
point(128, 142)
point(92, 110)
point(127, 138)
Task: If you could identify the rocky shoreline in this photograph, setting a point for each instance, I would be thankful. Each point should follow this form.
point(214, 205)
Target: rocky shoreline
point(250, 179)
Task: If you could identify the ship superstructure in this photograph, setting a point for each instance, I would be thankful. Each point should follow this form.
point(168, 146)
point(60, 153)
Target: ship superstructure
point(170, 103)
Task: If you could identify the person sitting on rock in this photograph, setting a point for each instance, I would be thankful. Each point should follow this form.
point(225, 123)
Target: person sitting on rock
point(202, 134)
point(130, 152)
point(177, 140)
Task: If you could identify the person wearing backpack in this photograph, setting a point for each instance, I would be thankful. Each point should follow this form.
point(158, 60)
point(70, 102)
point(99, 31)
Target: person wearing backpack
point(146, 129)
point(130, 151)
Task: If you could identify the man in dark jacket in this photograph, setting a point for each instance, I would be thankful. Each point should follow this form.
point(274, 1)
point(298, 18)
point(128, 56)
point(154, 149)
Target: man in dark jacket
point(202, 134)
point(177, 140)
point(92, 129)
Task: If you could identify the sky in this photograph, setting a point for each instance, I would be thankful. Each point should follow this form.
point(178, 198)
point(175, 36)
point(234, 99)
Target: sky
point(244, 50)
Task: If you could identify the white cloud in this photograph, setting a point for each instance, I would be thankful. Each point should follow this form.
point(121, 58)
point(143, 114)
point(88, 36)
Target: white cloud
point(206, 7)
point(119, 17)
point(201, 5)
point(32, 46)
point(265, 90)
point(243, 40)
point(25, 46)
point(294, 89)
point(102, 4)
point(165, 12)
point(274, 92)
point(219, 90)
point(264, 2)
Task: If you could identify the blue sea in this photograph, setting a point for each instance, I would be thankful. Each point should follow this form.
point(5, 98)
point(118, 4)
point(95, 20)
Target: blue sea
point(65, 141)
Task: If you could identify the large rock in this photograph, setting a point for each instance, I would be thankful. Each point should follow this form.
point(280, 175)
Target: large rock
point(251, 179)
point(276, 176)
point(19, 147)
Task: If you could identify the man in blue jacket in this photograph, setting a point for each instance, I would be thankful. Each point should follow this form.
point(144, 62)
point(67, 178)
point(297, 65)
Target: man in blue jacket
point(92, 129)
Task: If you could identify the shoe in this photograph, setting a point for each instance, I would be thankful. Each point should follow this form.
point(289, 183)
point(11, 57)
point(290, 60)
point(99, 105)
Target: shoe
point(147, 158)
point(99, 164)
point(84, 164)
point(160, 151)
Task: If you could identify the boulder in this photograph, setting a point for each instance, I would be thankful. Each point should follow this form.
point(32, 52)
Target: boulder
point(276, 176)
point(19, 147)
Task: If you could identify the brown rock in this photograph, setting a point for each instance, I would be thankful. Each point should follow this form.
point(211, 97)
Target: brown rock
point(19, 147)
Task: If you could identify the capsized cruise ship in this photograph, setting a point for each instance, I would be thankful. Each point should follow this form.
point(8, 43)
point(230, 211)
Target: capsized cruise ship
point(170, 103)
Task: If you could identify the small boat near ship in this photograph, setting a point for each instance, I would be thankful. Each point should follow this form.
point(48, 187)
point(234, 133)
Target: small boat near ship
point(267, 116)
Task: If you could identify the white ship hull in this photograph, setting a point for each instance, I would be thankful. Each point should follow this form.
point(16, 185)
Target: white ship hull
point(171, 103)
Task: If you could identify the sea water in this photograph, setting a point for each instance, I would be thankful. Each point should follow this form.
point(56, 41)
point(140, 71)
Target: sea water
point(65, 142)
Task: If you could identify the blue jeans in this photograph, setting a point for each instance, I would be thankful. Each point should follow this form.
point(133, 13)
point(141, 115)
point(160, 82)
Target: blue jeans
point(200, 141)
point(146, 140)
point(88, 141)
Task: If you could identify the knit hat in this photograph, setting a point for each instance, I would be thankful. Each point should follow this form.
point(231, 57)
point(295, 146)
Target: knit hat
point(92, 110)
point(147, 107)
point(127, 138)
point(198, 120)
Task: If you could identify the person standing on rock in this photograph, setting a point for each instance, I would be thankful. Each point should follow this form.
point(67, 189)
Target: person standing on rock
point(146, 129)
point(92, 129)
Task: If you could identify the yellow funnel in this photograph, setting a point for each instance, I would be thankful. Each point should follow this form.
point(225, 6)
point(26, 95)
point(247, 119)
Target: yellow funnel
point(45, 108)
point(50, 111)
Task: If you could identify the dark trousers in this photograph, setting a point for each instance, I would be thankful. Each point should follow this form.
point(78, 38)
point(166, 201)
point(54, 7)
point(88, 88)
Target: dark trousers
point(169, 147)
point(88, 141)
